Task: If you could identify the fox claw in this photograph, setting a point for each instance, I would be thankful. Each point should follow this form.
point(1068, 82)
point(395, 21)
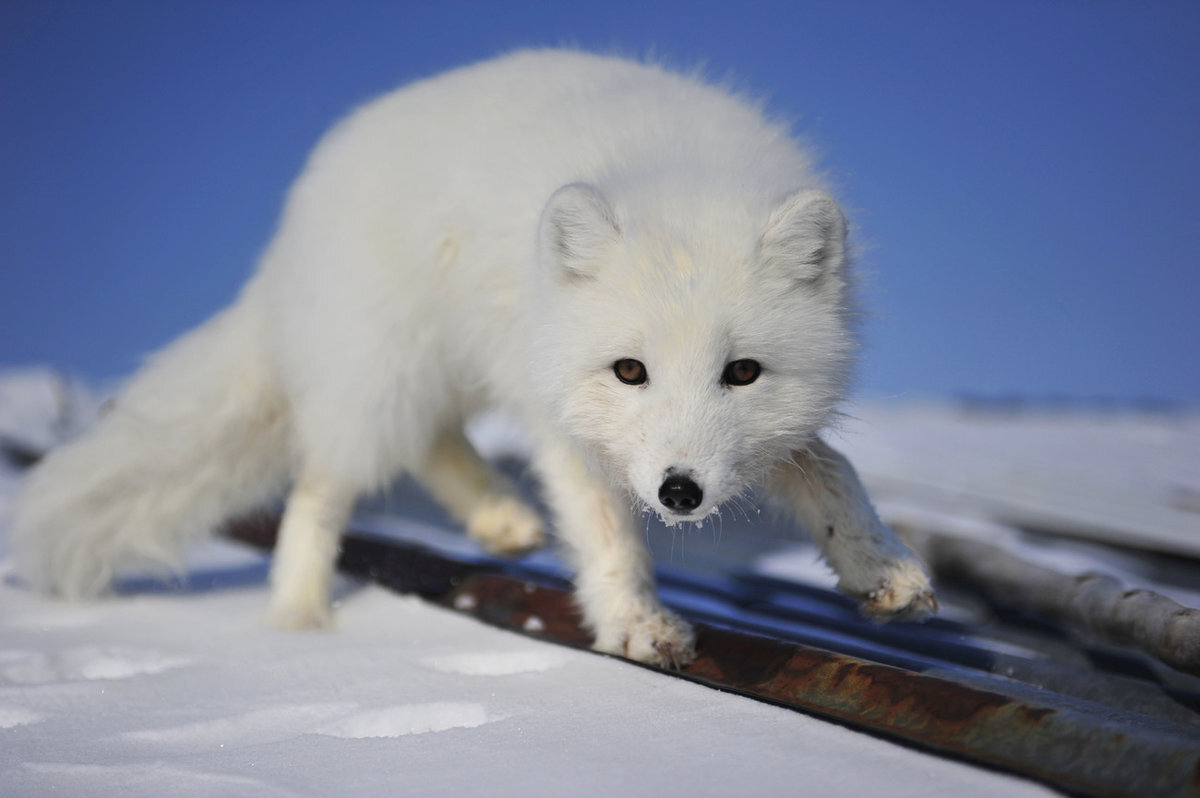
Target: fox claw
point(660, 638)
point(904, 595)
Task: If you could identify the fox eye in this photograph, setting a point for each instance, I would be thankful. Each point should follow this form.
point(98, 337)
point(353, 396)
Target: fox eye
point(630, 371)
point(741, 372)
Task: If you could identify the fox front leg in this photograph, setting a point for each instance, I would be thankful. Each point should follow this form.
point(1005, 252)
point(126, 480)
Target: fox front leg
point(820, 488)
point(614, 582)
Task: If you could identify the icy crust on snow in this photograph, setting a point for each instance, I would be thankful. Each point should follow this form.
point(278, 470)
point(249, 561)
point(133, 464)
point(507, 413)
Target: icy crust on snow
point(498, 663)
point(348, 721)
point(11, 716)
point(85, 663)
point(185, 692)
point(406, 719)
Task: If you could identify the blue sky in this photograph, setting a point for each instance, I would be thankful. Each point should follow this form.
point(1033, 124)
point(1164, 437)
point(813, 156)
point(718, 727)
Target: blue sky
point(1024, 177)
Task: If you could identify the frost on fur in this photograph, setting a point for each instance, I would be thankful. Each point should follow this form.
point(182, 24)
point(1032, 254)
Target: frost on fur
point(503, 235)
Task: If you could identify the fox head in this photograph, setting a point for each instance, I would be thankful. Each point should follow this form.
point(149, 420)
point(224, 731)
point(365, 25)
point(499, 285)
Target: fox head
point(688, 350)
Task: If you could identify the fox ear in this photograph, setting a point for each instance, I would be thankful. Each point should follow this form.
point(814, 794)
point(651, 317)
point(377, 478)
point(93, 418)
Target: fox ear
point(577, 227)
point(805, 237)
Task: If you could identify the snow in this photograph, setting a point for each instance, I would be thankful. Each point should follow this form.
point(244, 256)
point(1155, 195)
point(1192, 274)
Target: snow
point(1118, 475)
point(185, 692)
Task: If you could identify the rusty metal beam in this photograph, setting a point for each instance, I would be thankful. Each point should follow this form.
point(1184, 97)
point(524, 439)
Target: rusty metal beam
point(1076, 745)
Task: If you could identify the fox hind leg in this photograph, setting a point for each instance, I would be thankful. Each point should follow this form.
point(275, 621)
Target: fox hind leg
point(479, 497)
point(302, 572)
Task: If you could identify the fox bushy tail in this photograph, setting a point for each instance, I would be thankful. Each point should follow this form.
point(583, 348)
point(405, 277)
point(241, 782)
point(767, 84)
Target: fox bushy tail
point(198, 436)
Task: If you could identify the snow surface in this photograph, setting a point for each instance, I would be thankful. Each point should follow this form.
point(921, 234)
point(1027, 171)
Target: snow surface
point(185, 692)
point(1118, 475)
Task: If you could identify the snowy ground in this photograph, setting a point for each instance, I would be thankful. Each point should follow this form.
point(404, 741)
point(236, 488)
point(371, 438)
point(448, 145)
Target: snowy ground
point(186, 693)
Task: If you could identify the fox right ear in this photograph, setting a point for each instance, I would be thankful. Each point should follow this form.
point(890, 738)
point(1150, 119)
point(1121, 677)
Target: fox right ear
point(805, 237)
point(577, 228)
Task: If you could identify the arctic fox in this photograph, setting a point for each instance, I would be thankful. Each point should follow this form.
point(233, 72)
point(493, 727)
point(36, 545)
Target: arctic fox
point(638, 266)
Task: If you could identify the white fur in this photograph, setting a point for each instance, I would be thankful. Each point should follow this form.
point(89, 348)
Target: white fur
point(501, 235)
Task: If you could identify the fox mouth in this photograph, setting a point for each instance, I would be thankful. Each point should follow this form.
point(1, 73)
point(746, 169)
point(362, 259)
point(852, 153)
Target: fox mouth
point(673, 519)
point(698, 517)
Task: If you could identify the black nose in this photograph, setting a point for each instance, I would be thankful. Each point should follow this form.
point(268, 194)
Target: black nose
point(680, 494)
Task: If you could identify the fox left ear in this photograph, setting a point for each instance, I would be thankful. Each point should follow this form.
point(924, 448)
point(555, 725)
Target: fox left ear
point(577, 229)
point(805, 237)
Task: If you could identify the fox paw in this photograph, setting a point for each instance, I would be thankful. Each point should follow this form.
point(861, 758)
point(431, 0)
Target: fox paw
point(904, 594)
point(657, 638)
point(506, 526)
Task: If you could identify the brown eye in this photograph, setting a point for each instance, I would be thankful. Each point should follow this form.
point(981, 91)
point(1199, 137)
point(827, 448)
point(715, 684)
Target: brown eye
point(630, 371)
point(741, 372)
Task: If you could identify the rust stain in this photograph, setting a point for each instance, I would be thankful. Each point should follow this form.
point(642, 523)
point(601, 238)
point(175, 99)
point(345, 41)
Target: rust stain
point(896, 697)
point(945, 703)
point(1032, 715)
point(880, 696)
point(826, 682)
point(736, 658)
point(506, 602)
